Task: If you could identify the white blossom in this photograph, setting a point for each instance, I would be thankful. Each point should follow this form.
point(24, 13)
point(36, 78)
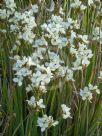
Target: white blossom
point(46, 122)
point(18, 80)
point(86, 94)
point(91, 87)
point(34, 8)
point(90, 2)
point(88, 91)
point(78, 4)
point(83, 56)
point(36, 104)
point(32, 102)
point(23, 72)
point(29, 88)
point(65, 111)
point(40, 103)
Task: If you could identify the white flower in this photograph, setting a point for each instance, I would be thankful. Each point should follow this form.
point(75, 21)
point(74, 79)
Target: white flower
point(90, 2)
point(30, 62)
point(69, 74)
point(37, 78)
point(85, 61)
point(18, 80)
point(76, 4)
point(23, 72)
point(83, 55)
point(82, 7)
point(65, 111)
point(10, 4)
point(43, 123)
point(29, 88)
point(42, 76)
point(60, 41)
point(19, 62)
point(40, 42)
point(84, 38)
point(97, 91)
point(36, 104)
point(73, 50)
point(34, 8)
point(46, 122)
point(40, 103)
point(27, 36)
point(91, 87)
point(66, 72)
point(32, 102)
point(42, 88)
point(86, 94)
point(77, 64)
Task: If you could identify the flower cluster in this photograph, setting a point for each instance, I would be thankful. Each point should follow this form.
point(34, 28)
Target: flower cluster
point(35, 104)
point(9, 9)
point(38, 77)
point(83, 54)
point(87, 92)
point(46, 122)
point(53, 31)
point(79, 4)
point(58, 50)
point(21, 26)
point(56, 30)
